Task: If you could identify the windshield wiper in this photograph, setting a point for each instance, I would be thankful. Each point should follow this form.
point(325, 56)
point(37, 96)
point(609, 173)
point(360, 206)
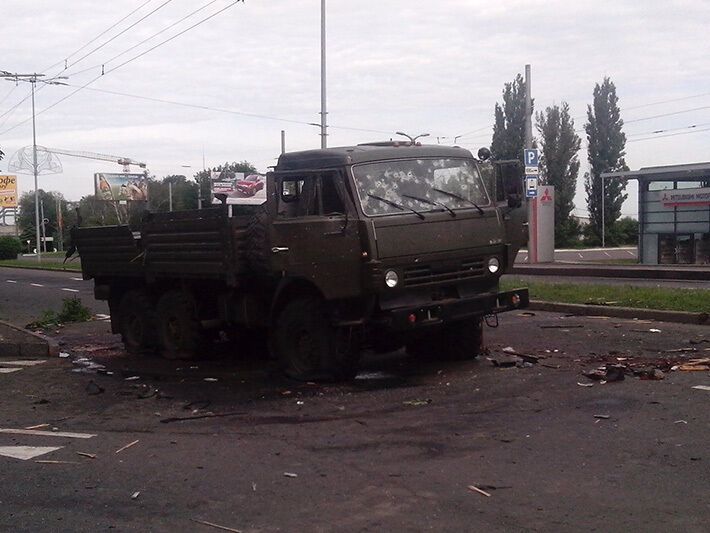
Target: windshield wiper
point(395, 204)
point(459, 197)
point(430, 202)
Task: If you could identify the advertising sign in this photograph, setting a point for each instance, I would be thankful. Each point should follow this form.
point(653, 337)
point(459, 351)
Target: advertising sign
point(121, 187)
point(237, 189)
point(8, 191)
point(686, 197)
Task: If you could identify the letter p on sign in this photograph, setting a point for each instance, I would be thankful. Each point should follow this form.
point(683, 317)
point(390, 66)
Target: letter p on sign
point(531, 158)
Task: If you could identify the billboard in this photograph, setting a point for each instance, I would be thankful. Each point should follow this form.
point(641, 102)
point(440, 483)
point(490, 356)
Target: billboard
point(121, 187)
point(8, 191)
point(238, 189)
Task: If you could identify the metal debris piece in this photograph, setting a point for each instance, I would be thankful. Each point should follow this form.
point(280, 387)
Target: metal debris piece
point(585, 384)
point(602, 417)
point(480, 491)
point(135, 495)
point(127, 446)
point(290, 474)
point(701, 387)
point(426, 401)
point(216, 526)
point(89, 455)
point(38, 426)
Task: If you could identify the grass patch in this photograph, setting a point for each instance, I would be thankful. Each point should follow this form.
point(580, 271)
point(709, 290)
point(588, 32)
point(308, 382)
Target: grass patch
point(73, 266)
point(72, 311)
point(693, 300)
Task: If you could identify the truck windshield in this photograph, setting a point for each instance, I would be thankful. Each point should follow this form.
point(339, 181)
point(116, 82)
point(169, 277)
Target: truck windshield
point(419, 185)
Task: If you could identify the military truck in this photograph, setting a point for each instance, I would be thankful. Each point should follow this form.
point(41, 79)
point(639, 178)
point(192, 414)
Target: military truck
point(379, 245)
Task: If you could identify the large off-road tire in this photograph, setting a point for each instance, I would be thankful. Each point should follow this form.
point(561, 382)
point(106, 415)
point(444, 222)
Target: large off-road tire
point(137, 322)
point(256, 244)
point(456, 341)
point(179, 329)
point(309, 348)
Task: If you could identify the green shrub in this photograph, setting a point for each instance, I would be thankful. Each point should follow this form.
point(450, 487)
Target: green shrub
point(72, 311)
point(9, 247)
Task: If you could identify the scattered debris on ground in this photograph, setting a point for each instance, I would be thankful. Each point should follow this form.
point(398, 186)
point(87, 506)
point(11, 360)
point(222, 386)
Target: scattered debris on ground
point(479, 491)
point(127, 446)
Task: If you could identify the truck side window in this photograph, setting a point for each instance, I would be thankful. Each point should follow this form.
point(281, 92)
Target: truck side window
point(298, 197)
point(332, 203)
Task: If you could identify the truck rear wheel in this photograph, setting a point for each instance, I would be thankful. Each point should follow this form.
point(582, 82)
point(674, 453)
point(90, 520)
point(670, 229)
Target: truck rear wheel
point(137, 322)
point(178, 327)
point(309, 348)
point(456, 341)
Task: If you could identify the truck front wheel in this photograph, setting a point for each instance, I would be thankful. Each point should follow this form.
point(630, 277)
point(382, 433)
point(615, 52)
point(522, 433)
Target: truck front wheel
point(136, 317)
point(308, 347)
point(178, 327)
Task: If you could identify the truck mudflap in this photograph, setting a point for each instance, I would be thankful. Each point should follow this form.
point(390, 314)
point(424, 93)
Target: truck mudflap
point(436, 313)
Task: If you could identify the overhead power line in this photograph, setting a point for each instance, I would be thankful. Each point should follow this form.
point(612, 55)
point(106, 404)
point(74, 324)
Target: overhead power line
point(191, 14)
point(98, 36)
point(166, 2)
point(66, 97)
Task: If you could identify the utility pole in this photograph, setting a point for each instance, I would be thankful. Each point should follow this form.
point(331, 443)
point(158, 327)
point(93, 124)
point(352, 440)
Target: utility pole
point(283, 141)
point(170, 196)
point(44, 230)
point(60, 226)
point(532, 202)
point(32, 79)
point(323, 111)
point(603, 227)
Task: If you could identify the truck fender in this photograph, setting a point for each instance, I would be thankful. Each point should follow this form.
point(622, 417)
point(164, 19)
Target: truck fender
point(288, 289)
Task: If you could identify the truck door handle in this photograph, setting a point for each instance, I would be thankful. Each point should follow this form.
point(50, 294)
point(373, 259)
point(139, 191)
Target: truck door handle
point(278, 249)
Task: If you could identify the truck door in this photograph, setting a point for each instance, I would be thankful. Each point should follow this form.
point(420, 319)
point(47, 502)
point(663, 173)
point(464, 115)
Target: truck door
point(314, 235)
point(510, 200)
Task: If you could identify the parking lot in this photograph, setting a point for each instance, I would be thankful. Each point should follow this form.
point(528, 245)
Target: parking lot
point(131, 444)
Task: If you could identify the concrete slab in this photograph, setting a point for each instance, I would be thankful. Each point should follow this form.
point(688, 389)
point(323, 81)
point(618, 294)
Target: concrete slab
point(18, 342)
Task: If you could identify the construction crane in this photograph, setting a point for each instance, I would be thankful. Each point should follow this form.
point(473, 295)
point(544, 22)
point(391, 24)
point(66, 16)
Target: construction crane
point(125, 161)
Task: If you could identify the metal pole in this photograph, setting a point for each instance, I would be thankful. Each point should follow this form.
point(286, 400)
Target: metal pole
point(323, 112)
point(44, 231)
point(283, 141)
point(603, 228)
point(60, 223)
point(532, 228)
point(33, 81)
point(170, 196)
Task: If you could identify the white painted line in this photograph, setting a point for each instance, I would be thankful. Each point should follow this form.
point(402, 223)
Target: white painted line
point(580, 256)
point(607, 254)
point(8, 370)
point(47, 433)
point(23, 363)
point(27, 452)
point(77, 279)
point(36, 284)
point(10, 281)
point(630, 253)
point(70, 290)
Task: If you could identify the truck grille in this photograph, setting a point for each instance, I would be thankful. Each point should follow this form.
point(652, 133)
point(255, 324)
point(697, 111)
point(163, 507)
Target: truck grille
point(425, 274)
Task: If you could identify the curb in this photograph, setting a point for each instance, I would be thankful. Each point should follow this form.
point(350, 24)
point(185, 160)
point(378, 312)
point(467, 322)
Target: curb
point(602, 271)
point(681, 317)
point(19, 342)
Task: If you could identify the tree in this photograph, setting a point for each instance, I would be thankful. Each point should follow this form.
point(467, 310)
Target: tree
point(560, 166)
point(26, 219)
point(228, 170)
point(185, 193)
point(509, 128)
point(606, 153)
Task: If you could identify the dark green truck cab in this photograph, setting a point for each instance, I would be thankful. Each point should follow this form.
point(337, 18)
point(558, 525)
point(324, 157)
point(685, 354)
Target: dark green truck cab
point(381, 245)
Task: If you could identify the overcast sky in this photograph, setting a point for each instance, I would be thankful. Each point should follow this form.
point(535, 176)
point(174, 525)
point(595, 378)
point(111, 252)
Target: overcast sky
point(411, 65)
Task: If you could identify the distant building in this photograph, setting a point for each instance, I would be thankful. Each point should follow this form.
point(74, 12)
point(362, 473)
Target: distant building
point(674, 213)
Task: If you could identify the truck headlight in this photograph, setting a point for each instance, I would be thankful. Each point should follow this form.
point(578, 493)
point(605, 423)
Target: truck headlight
point(391, 279)
point(493, 265)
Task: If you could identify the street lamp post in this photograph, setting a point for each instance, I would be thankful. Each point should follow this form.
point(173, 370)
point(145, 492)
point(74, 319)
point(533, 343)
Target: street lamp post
point(323, 111)
point(32, 79)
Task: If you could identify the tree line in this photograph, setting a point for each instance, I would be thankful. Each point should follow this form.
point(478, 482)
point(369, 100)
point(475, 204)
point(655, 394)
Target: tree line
point(559, 146)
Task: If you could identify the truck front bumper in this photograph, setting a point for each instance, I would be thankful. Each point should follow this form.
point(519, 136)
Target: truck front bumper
point(451, 310)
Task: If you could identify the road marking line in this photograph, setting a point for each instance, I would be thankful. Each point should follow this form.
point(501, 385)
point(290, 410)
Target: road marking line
point(607, 254)
point(27, 452)
point(22, 363)
point(8, 370)
point(36, 284)
point(630, 253)
point(10, 281)
point(77, 279)
point(580, 256)
point(47, 433)
point(70, 290)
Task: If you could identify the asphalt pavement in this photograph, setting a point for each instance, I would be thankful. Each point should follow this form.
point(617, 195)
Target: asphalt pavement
point(144, 444)
point(26, 293)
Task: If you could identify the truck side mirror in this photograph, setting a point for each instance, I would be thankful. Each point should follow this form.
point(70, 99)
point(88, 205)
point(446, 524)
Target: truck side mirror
point(509, 181)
